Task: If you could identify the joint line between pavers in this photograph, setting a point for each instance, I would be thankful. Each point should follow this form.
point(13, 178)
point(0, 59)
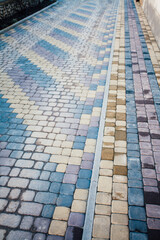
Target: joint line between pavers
point(88, 225)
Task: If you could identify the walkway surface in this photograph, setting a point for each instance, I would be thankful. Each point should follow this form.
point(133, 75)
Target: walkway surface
point(80, 124)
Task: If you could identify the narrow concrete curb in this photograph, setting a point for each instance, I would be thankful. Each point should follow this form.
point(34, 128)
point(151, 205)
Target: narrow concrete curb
point(27, 18)
point(88, 225)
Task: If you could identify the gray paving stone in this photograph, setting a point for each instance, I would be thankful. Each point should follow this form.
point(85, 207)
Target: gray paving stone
point(14, 172)
point(14, 194)
point(4, 171)
point(46, 197)
point(7, 161)
point(24, 163)
point(30, 208)
point(39, 165)
point(41, 225)
point(19, 235)
point(39, 236)
point(27, 222)
point(30, 173)
point(39, 185)
point(45, 175)
point(3, 180)
point(2, 234)
point(41, 157)
point(9, 220)
point(4, 192)
point(18, 182)
point(12, 207)
point(28, 196)
point(3, 204)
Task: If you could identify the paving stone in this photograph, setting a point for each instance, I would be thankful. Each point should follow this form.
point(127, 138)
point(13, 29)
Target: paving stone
point(18, 182)
point(30, 173)
point(30, 208)
point(58, 228)
point(73, 232)
point(21, 235)
point(14, 194)
point(39, 185)
point(3, 204)
point(24, 163)
point(61, 213)
point(120, 232)
point(10, 220)
point(4, 170)
point(28, 195)
point(2, 234)
point(12, 207)
point(26, 223)
point(4, 192)
point(46, 197)
point(41, 225)
point(101, 226)
point(48, 211)
point(39, 236)
point(3, 180)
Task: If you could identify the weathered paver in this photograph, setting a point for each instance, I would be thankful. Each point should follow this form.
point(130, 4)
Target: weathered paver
point(56, 70)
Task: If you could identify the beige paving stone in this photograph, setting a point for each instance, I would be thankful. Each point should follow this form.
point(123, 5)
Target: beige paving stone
point(120, 207)
point(103, 198)
point(106, 164)
point(59, 159)
point(78, 206)
point(58, 228)
point(106, 172)
point(76, 153)
point(61, 213)
point(120, 144)
point(81, 194)
point(105, 184)
point(119, 232)
point(74, 160)
point(102, 209)
point(120, 219)
point(101, 226)
point(61, 168)
point(119, 191)
point(66, 152)
point(120, 179)
point(53, 150)
point(120, 159)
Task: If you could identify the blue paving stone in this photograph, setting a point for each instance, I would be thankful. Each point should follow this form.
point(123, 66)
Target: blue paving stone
point(83, 183)
point(55, 187)
point(133, 146)
point(93, 87)
point(80, 139)
point(133, 153)
point(27, 133)
point(92, 132)
point(46, 197)
point(78, 145)
point(98, 103)
point(64, 200)
point(16, 139)
point(48, 211)
point(50, 167)
point(17, 121)
point(83, 173)
point(15, 146)
point(56, 177)
point(67, 189)
point(137, 226)
point(16, 154)
point(135, 196)
point(138, 236)
point(15, 132)
point(135, 184)
point(21, 127)
point(134, 163)
point(132, 138)
point(137, 213)
point(134, 174)
point(3, 131)
point(4, 138)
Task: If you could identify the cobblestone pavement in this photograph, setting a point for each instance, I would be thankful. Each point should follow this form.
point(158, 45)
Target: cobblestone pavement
point(60, 180)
